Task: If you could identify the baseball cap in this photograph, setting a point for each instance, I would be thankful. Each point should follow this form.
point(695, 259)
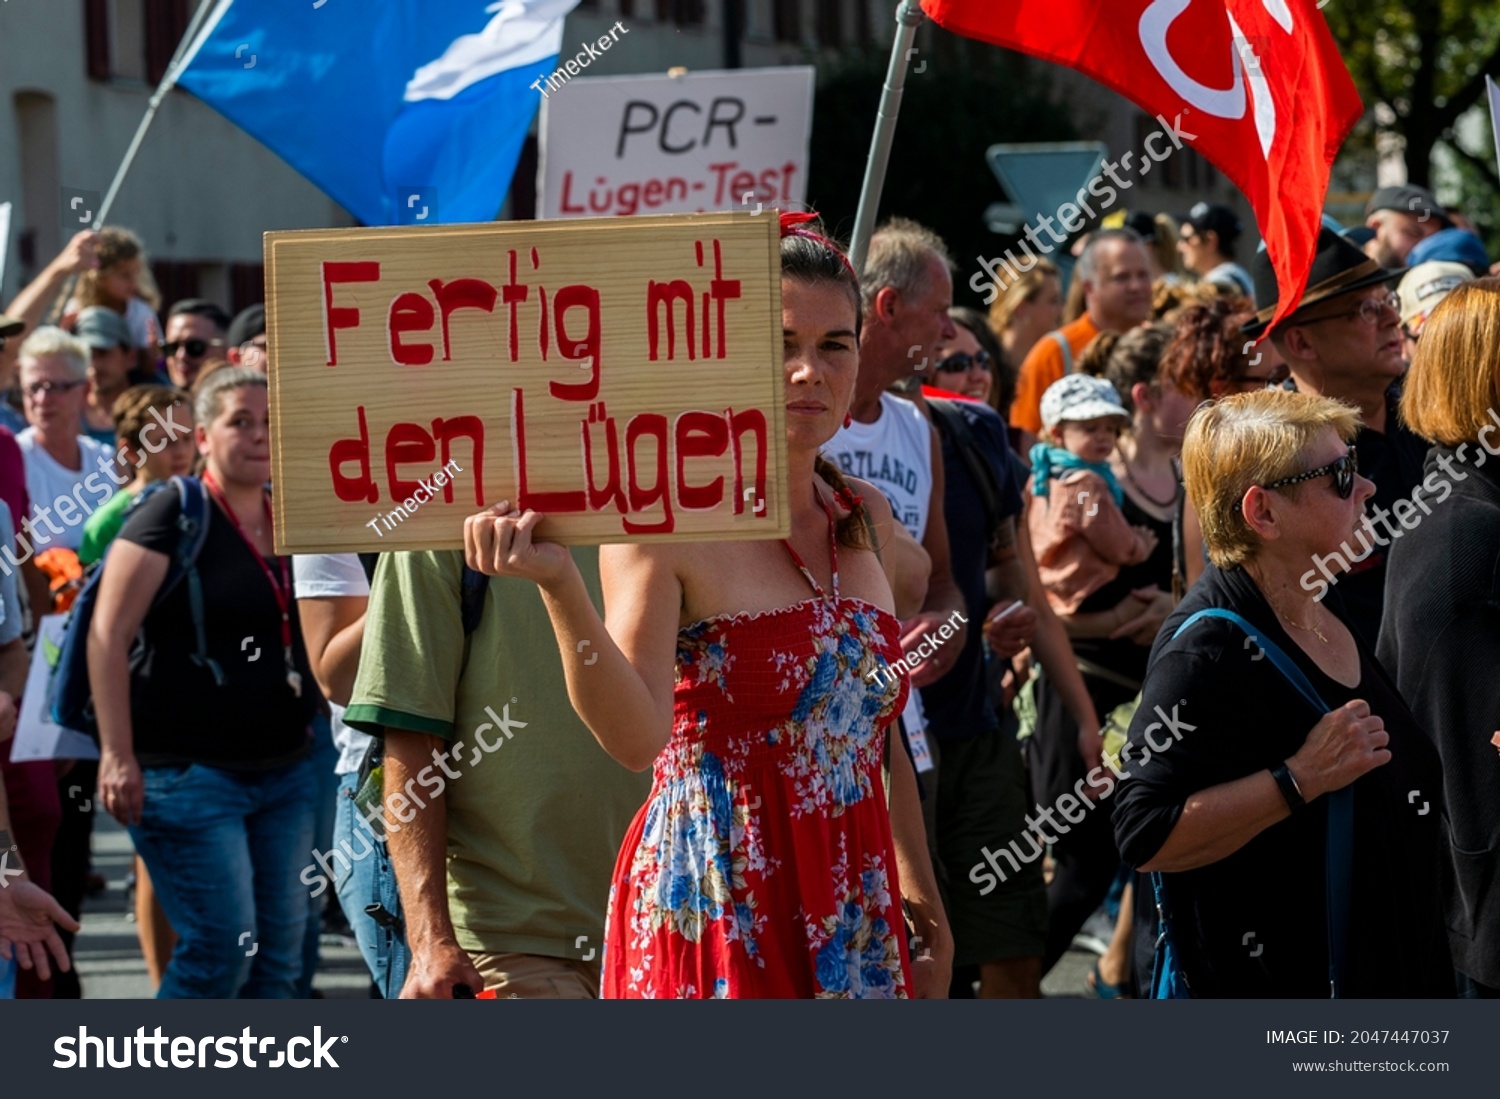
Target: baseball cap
point(1212, 217)
point(247, 324)
point(1143, 224)
point(1080, 397)
point(1407, 199)
point(1451, 246)
point(11, 326)
point(102, 328)
point(1426, 284)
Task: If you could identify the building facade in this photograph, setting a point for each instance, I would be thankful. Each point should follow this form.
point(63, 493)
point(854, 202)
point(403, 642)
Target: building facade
point(76, 76)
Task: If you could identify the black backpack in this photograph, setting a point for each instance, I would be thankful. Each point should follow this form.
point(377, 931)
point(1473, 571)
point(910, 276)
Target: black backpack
point(471, 591)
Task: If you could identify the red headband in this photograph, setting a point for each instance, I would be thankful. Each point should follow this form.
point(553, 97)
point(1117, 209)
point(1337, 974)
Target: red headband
point(790, 222)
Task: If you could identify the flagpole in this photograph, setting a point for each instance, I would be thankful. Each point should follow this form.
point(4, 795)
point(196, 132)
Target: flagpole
point(908, 17)
point(168, 80)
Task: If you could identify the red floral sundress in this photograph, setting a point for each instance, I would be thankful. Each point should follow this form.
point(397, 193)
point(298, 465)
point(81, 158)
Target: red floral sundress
point(761, 865)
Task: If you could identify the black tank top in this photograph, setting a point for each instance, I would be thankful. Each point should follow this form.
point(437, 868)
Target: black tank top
point(1123, 656)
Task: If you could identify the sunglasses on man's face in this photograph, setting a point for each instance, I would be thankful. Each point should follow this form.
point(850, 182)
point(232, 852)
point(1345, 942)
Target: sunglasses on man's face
point(195, 348)
point(962, 362)
point(1343, 472)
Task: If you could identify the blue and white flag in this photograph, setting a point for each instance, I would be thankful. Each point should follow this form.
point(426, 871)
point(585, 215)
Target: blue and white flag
point(402, 111)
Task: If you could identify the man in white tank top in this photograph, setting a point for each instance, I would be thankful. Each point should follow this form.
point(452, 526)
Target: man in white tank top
point(890, 443)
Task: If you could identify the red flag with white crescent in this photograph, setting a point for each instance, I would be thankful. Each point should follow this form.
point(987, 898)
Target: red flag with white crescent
point(1257, 87)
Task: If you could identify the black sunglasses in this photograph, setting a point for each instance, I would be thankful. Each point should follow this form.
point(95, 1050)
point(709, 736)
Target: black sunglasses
point(962, 362)
point(1343, 472)
point(194, 347)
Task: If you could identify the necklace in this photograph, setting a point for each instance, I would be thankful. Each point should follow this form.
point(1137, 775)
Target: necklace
point(1298, 625)
point(1168, 502)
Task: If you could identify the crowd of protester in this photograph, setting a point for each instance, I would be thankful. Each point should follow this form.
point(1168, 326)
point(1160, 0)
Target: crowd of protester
point(1119, 619)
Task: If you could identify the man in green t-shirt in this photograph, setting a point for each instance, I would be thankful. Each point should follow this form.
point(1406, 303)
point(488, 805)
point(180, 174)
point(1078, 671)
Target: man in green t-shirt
point(503, 815)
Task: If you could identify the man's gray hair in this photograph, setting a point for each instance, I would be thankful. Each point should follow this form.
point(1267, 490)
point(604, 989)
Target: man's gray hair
point(49, 341)
point(1083, 271)
point(898, 259)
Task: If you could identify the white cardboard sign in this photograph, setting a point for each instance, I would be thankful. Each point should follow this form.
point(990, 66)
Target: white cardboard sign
point(622, 145)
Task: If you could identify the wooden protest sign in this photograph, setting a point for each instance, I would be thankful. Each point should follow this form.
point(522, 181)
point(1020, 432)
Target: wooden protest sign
point(622, 376)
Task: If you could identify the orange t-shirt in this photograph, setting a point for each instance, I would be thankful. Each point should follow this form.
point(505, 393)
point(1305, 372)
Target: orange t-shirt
point(1043, 366)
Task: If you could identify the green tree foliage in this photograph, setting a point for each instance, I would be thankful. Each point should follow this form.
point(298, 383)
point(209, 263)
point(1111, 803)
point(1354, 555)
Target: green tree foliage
point(962, 102)
point(1425, 60)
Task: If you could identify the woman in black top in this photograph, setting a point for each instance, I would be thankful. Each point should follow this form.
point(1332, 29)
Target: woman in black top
point(1440, 633)
point(206, 760)
point(1228, 773)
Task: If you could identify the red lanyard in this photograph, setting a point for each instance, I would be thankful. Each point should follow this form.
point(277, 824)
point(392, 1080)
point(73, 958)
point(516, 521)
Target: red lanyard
point(282, 591)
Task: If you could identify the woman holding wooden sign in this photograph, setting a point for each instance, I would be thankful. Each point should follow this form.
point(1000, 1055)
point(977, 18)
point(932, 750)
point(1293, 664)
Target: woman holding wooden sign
point(763, 864)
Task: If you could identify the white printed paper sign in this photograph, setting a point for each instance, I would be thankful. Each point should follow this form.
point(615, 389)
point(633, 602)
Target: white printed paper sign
point(37, 735)
point(700, 142)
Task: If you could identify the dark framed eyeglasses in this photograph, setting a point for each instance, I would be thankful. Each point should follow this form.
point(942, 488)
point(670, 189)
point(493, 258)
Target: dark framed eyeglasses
point(1343, 472)
point(36, 389)
point(194, 347)
point(962, 362)
point(1371, 310)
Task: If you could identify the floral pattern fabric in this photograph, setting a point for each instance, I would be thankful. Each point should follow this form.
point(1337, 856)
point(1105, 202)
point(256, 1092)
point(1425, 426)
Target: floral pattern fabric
point(761, 865)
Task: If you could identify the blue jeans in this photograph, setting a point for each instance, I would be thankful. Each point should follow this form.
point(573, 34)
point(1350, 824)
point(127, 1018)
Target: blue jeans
point(363, 875)
point(7, 979)
point(223, 849)
point(325, 758)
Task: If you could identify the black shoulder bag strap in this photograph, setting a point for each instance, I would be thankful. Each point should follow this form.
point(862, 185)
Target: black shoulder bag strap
point(950, 422)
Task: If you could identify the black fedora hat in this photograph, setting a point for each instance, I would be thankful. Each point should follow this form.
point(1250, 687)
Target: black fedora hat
point(1338, 267)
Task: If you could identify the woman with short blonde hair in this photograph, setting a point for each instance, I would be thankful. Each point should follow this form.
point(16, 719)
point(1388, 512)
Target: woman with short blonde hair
point(1440, 634)
point(1265, 783)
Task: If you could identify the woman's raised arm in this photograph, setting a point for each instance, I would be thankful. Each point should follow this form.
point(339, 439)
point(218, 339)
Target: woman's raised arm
point(620, 677)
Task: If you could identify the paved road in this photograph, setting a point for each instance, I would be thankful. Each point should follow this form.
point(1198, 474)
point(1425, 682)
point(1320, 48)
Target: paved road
point(109, 956)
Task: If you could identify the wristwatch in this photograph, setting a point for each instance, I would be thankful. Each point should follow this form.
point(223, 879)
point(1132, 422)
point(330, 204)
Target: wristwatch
point(1288, 787)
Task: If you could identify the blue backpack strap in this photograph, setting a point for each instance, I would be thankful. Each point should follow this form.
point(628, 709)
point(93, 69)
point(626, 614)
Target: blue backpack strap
point(192, 532)
point(1284, 663)
point(1168, 979)
point(1338, 854)
point(1066, 348)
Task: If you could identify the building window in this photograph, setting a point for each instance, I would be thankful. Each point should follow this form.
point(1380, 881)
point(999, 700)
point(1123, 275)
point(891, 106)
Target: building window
point(247, 285)
point(787, 20)
point(681, 12)
point(133, 39)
